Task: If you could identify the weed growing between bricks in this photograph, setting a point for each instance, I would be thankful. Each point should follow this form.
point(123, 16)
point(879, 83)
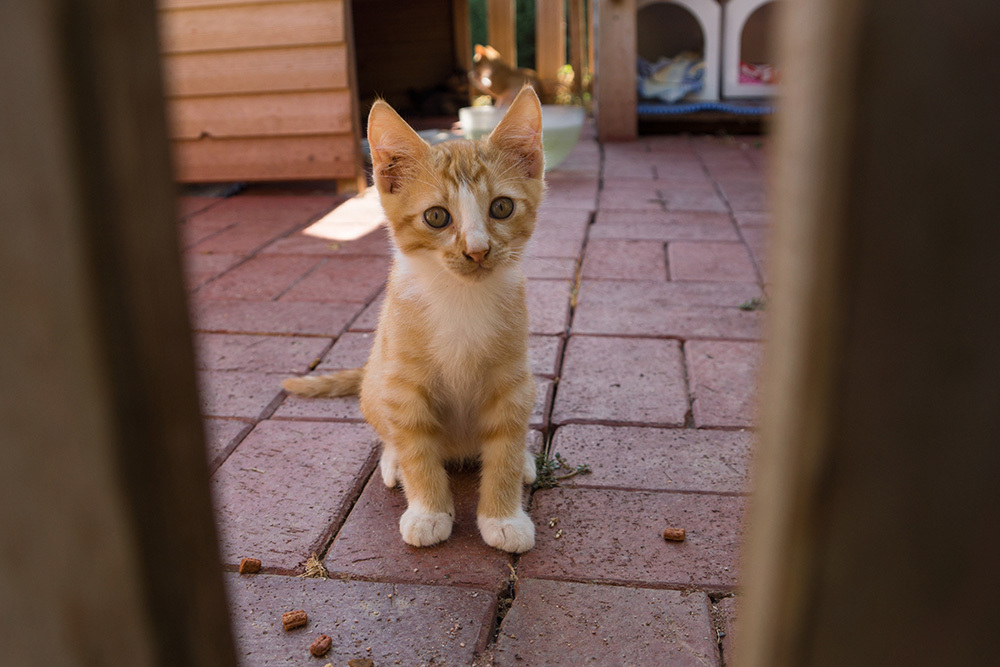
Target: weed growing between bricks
point(547, 470)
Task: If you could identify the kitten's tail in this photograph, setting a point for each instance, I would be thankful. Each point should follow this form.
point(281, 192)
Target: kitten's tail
point(341, 383)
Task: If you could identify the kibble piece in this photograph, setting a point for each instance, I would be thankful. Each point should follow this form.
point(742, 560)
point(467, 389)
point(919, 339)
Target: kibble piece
point(321, 646)
point(249, 565)
point(674, 534)
point(294, 619)
point(360, 662)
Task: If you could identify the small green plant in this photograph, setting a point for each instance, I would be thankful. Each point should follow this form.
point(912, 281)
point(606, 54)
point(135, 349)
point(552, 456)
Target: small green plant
point(548, 470)
point(755, 303)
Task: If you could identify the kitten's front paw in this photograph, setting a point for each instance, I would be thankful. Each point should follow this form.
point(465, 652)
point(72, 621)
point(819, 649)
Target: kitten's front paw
point(515, 534)
point(422, 529)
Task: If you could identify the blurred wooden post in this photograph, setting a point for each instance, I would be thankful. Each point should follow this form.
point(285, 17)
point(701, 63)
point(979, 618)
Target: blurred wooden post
point(502, 29)
point(463, 34)
point(577, 45)
point(873, 531)
point(109, 554)
point(615, 77)
point(591, 21)
point(550, 43)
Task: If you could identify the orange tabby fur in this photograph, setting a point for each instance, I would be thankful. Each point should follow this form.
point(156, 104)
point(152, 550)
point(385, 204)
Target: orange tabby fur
point(448, 376)
point(496, 78)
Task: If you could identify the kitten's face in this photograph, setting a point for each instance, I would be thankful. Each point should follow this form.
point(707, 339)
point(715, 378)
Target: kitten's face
point(471, 206)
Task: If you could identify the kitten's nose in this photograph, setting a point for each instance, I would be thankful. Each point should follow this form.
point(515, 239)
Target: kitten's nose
point(477, 256)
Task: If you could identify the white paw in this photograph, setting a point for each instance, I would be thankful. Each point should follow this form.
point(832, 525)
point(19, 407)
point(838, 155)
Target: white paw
point(515, 534)
point(389, 466)
point(530, 470)
point(422, 529)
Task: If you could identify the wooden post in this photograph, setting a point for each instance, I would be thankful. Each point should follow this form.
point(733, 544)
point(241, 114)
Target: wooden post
point(873, 530)
point(615, 77)
point(463, 34)
point(109, 553)
point(577, 44)
point(550, 43)
point(592, 21)
point(502, 28)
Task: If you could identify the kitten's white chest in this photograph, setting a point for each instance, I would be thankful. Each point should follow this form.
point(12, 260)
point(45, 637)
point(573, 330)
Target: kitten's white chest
point(464, 321)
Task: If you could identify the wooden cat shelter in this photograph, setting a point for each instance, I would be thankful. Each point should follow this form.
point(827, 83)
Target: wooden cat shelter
point(260, 90)
point(276, 90)
point(726, 32)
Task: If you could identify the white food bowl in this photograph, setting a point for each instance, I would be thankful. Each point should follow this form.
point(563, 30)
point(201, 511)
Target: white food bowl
point(561, 127)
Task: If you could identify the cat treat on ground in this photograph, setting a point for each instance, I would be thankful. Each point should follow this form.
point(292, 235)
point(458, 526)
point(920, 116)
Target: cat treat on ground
point(360, 662)
point(249, 565)
point(674, 534)
point(294, 619)
point(321, 646)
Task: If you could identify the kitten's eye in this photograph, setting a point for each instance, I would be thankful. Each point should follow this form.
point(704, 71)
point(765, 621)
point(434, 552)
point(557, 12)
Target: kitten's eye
point(437, 217)
point(501, 208)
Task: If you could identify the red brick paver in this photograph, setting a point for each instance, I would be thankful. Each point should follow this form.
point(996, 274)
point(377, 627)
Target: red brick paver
point(387, 623)
point(669, 459)
point(551, 621)
point(723, 381)
point(621, 380)
point(616, 536)
point(286, 489)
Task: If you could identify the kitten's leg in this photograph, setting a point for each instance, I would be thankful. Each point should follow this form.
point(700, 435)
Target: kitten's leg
point(389, 466)
point(411, 436)
point(502, 521)
point(430, 510)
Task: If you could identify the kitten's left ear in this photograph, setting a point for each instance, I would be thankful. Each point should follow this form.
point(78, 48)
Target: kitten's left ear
point(520, 132)
point(395, 147)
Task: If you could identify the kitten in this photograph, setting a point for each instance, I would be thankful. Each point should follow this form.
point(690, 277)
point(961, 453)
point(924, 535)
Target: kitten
point(448, 377)
point(498, 79)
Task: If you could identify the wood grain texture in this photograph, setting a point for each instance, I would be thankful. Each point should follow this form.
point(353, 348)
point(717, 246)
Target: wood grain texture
point(265, 159)
point(501, 28)
point(577, 43)
point(263, 71)
point(285, 114)
point(615, 77)
point(550, 42)
point(109, 554)
point(879, 422)
point(252, 26)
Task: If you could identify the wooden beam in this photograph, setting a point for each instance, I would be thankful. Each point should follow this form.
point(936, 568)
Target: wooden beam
point(615, 77)
point(873, 530)
point(550, 43)
point(109, 553)
point(501, 19)
point(462, 31)
point(577, 43)
point(360, 175)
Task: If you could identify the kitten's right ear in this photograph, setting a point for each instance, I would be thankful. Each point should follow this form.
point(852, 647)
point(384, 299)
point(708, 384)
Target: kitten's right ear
point(395, 147)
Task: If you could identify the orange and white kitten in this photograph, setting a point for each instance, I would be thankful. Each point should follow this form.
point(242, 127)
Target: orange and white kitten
point(448, 377)
point(496, 78)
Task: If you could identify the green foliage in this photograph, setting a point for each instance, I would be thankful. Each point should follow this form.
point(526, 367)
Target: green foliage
point(524, 25)
point(548, 470)
point(755, 303)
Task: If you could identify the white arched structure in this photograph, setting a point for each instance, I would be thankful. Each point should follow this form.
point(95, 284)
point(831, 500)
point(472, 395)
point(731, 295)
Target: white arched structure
point(709, 16)
point(734, 19)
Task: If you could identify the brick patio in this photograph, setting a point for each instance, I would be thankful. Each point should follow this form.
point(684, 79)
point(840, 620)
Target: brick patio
point(646, 367)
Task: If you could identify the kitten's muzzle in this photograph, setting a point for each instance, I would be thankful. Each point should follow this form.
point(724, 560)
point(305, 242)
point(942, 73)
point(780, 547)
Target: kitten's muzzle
point(477, 256)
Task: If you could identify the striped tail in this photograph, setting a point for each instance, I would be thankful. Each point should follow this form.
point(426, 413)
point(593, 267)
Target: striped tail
point(341, 383)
